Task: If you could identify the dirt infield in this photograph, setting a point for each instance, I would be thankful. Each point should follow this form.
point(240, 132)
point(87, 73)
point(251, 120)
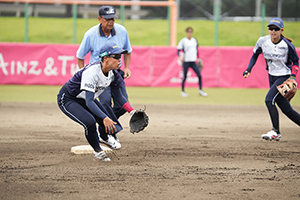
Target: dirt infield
point(187, 152)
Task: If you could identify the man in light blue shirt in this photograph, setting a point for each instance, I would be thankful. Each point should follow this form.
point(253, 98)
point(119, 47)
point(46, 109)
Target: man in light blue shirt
point(107, 31)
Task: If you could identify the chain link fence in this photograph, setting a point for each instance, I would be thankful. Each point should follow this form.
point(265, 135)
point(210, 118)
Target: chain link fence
point(187, 9)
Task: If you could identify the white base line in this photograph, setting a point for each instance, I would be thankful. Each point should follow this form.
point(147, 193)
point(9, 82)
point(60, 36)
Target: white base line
point(87, 149)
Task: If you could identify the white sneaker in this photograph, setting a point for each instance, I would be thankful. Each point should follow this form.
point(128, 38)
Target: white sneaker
point(202, 93)
point(271, 135)
point(116, 137)
point(183, 94)
point(101, 156)
point(111, 142)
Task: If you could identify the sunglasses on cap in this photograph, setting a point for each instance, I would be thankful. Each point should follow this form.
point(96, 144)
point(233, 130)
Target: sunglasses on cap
point(274, 28)
point(116, 56)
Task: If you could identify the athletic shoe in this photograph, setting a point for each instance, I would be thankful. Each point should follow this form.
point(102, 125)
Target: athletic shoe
point(111, 142)
point(202, 93)
point(116, 137)
point(183, 94)
point(271, 135)
point(101, 156)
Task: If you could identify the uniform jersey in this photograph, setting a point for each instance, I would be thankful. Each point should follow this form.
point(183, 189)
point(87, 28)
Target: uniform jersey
point(279, 57)
point(190, 49)
point(94, 39)
point(91, 78)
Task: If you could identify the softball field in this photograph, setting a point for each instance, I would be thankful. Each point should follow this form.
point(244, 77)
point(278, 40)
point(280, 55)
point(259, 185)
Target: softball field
point(186, 152)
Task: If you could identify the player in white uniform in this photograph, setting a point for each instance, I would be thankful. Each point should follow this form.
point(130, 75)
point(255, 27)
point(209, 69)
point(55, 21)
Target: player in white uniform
point(77, 99)
point(189, 45)
point(282, 63)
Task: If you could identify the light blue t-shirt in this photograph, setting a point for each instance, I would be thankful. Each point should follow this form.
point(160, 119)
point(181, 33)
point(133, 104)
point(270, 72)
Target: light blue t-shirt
point(94, 39)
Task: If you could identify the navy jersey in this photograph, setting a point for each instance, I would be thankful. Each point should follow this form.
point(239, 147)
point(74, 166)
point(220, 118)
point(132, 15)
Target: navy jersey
point(279, 57)
point(91, 78)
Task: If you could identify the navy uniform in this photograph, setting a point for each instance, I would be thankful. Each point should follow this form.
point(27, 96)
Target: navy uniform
point(282, 63)
point(78, 100)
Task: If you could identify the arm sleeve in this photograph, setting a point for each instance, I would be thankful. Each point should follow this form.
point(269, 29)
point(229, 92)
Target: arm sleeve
point(293, 57)
point(116, 84)
point(252, 61)
point(118, 97)
point(256, 51)
point(197, 52)
point(89, 100)
point(178, 52)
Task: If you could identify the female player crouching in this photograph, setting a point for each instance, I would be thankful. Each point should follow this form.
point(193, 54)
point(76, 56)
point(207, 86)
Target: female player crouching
point(78, 99)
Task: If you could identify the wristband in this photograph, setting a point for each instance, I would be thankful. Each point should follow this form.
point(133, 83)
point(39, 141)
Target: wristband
point(127, 107)
point(295, 70)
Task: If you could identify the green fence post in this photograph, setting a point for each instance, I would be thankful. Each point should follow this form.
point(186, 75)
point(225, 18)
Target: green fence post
point(122, 13)
point(26, 22)
point(74, 23)
point(216, 15)
point(263, 14)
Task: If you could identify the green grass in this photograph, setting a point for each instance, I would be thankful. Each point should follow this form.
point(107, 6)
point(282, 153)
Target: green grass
point(141, 32)
point(145, 33)
point(148, 95)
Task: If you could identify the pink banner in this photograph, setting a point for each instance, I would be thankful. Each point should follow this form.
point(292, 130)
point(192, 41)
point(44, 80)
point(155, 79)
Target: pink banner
point(39, 64)
point(234, 61)
point(210, 73)
point(54, 64)
point(140, 66)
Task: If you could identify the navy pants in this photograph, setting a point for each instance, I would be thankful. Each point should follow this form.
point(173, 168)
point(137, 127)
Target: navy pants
point(107, 95)
point(273, 96)
point(77, 110)
point(186, 66)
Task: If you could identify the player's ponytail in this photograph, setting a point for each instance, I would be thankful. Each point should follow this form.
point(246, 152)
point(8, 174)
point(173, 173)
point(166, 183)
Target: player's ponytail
point(289, 39)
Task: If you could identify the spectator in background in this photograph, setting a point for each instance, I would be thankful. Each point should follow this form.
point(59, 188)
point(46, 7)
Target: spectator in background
point(189, 45)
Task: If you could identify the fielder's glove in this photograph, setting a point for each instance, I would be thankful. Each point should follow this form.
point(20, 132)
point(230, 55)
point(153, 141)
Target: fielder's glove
point(200, 64)
point(288, 89)
point(139, 121)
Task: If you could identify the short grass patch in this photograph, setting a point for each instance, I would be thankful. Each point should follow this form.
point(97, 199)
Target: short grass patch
point(141, 32)
point(148, 95)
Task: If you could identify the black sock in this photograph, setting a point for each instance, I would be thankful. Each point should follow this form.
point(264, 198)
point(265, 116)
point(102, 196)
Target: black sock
point(104, 136)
